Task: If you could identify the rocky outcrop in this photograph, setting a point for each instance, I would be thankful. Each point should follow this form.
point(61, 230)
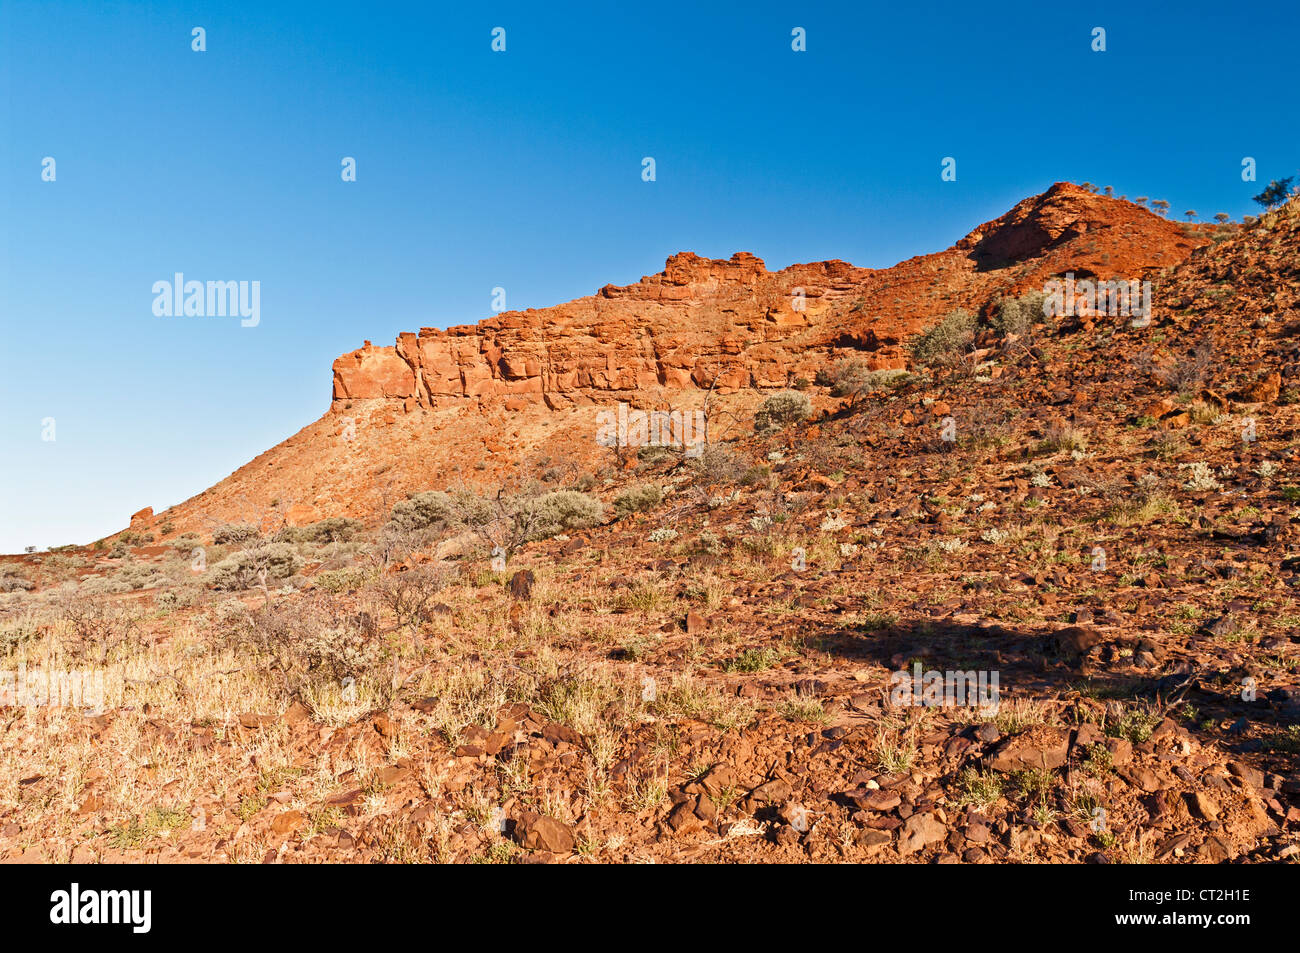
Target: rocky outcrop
point(732, 324)
point(698, 321)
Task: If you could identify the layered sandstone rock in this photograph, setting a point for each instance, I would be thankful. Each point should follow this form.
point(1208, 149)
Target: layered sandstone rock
point(732, 324)
point(697, 321)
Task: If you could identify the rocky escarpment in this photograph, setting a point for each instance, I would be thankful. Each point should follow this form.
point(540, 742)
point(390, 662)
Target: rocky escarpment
point(698, 322)
point(732, 324)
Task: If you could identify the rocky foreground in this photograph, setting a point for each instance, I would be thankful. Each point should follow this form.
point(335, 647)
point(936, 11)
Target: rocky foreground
point(697, 658)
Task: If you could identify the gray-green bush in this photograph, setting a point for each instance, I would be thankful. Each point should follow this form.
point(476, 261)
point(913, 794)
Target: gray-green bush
point(244, 569)
point(430, 510)
point(637, 498)
point(564, 510)
point(235, 533)
point(947, 340)
point(1018, 315)
point(334, 529)
point(782, 409)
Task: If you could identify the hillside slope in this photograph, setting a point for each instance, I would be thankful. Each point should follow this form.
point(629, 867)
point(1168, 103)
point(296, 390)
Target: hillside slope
point(1097, 513)
point(477, 403)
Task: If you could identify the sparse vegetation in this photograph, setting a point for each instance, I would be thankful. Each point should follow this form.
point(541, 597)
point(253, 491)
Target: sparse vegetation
point(947, 340)
point(782, 410)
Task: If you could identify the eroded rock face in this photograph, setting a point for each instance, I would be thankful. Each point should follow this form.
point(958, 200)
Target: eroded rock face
point(698, 322)
point(732, 324)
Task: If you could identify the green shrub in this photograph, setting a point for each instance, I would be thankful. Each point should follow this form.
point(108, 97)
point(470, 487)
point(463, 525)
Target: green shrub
point(638, 498)
point(1018, 315)
point(564, 510)
point(185, 543)
point(334, 529)
point(946, 340)
point(1276, 193)
point(235, 533)
point(503, 522)
point(170, 599)
point(244, 569)
point(102, 585)
point(782, 409)
point(140, 575)
point(422, 511)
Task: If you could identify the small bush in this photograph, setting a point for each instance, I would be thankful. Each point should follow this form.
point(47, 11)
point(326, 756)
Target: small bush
point(15, 631)
point(753, 660)
point(1189, 373)
point(341, 580)
point(185, 543)
point(852, 378)
point(430, 510)
point(780, 410)
point(335, 529)
point(505, 522)
point(244, 569)
point(171, 599)
point(1201, 479)
point(309, 642)
point(707, 543)
point(140, 575)
point(235, 533)
point(102, 585)
point(638, 498)
point(564, 510)
point(654, 453)
point(718, 463)
point(95, 626)
point(410, 593)
point(12, 581)
point(1018, 315)
point(947, 340)
point(1062, 436)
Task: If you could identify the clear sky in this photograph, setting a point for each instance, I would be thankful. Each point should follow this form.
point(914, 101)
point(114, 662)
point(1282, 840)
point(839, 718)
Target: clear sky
point(521, 169)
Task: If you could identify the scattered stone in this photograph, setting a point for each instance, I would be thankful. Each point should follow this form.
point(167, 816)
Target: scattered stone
point(539, 832)
point(521, 585)
point(1022, 754)
point(920, 831)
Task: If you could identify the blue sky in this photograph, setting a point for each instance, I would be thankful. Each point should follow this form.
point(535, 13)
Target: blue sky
point(522, 170)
